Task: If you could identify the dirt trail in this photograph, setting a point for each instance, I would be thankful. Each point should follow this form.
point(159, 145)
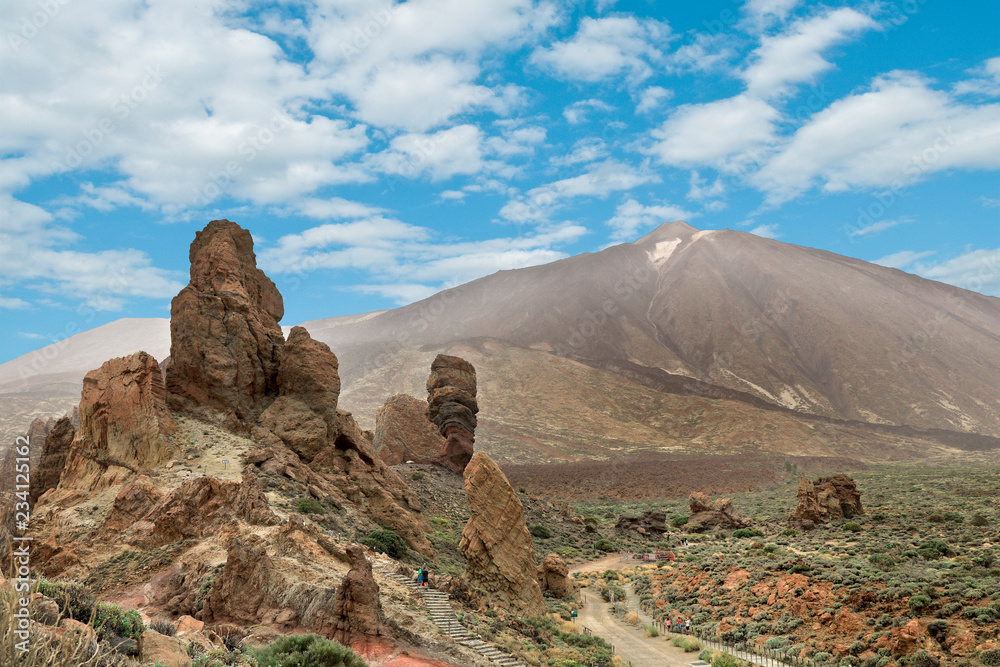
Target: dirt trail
point(630, 643)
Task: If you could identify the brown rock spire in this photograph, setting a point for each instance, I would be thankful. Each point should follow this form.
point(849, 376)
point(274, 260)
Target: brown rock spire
point(451, 400)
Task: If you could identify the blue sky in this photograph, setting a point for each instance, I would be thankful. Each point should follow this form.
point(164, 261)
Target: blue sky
point(380, 152)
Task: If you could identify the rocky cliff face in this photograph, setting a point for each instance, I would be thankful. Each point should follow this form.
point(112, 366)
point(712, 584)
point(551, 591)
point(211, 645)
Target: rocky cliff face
point(553, 577)
point(826, 499)
point(124, 424)
point(224, 334)
point(53, 458)
point(357, 609)
point(500, 558)
point(451, 405)
point(304, 426)
point(404, 433)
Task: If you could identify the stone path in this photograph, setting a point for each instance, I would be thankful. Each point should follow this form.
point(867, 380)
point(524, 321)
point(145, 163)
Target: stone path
point(440, 608)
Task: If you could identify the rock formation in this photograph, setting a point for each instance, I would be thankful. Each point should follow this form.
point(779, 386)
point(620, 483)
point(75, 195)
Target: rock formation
point(304, 426)
point(651, 524)
point(53, 458)
point(826, 499)
point(199, 507)
point(451, 405)
point(242, 593)
point(500, 558)
point(553, 577)
point(224, 334)
point(124, 424)
point(404, 433)
point(357, 609)
point(705, 513)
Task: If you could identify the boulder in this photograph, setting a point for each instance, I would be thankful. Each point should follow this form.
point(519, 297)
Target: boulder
point(404, 433)
point(225, 341)
point(500, 558)
point(165, 651)
point(243, 592)
point(553, 577)
point(826, 499)
point(124, 424)
point(452, 407)
point(357, 610)
point(705, 513)
point(651, 524)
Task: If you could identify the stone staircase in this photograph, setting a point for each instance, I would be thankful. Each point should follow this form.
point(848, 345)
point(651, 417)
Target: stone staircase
point(440, 608)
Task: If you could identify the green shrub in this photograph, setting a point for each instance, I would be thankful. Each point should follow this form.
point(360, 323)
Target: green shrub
point(883, 561)
point(74, 600)
point(919, 601)
point(110, 619)
point(306, 651)
point(726, 660)
point(652, 631)
point(612, 591)
point(790, 532)
point(386, 541)
point(747, 532)
point(605, 545)
point(678, 520)
point(691, 644)
point(308, 506)
point(852, 527)
point(990, 656)
point(979, 520)
point(417, 476)
point(538, 530)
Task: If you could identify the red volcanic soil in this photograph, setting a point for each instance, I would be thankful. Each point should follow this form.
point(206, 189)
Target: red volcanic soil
point(664, 476)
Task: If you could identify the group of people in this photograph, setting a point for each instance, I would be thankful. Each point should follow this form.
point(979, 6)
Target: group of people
point(423, 577)
point(681, 624)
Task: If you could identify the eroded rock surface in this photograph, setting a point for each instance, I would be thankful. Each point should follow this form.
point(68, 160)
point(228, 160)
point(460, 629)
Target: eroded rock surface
point(500, 558)
point(357, 609)
point(404, 433)
point(224, 335)
point(53, 458)
point(705, 513)
point(452, 407)
point(553, 577)
point(651, 524)
point(826, 499)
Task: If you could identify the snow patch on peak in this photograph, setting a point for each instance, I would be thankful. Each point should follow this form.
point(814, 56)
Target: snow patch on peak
point(703, 233)
point(662, 251)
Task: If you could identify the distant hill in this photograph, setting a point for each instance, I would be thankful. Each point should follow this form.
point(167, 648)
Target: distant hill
point(685, 340)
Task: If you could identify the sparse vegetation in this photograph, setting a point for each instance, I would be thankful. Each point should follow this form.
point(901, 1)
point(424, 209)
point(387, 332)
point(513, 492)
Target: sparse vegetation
point(538, 530)
point(306, 651)
point(309, 506)
point(386, 541)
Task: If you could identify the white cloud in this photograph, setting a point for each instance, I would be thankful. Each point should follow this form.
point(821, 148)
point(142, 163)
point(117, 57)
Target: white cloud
point(401, 293)
point(587, 149)
point(766, 231)
point(986, 83)
point(891, 136)
point(794, 56)
point(576, 113)
point(902, 259)
point(714, 132)
point(336, 207)
point(698, 189)
point(989, 202)
point(876, 227)
point(764, 11)
point(631, 216)
point(651, 98)
point(606, 47)
point(442, 155)
point(516, 140)
point(13, 303)
point(705, 53)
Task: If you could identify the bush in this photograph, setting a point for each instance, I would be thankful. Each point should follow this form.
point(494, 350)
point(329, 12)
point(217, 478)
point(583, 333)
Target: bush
point(790, 532)
point(990, 656)
point(979, 520)
point(74, 600)
point(387, 542)
point(919, 601)
point(726, 660)
point(163, 626)
point(306, 651)
point(605, 545)
point(612, 591)
point(678, 520)
point(883, 561)
point(747, 532)
point(652, 631)
point(417, 476)
point(110, 619)
point(852, 527)
point(308, 506)
point(538, 530)
point(691, 644)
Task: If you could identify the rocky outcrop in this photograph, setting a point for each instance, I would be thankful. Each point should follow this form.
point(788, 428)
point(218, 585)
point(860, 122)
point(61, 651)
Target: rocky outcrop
point(124, 424)
point(404, 433)
point(224, 335)
point(705, 513)
point(357, 609)
point(309, 438)
point(452, 407)
point(198, 508)
point(53, 458)
point(651, 524)
point(826, 499)
point(244, 593)
point(500, 558)
point(553, 577)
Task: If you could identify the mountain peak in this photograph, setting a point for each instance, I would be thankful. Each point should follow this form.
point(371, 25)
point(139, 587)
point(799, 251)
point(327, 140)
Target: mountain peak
point(668, 231)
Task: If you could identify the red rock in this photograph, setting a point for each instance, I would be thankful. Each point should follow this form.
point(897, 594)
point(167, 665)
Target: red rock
point(500, 557)
point(720, 513)
point(52, 460)
point(826, 499)
point(404, 433)
point(451, 405)
point(357, 610)
point(225, 340)
point(553, 577)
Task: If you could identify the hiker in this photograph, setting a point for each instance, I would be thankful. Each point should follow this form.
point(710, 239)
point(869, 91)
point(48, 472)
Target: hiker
point(687, 625)
point(420, 576)
point(668, 625)
point(425, 578)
